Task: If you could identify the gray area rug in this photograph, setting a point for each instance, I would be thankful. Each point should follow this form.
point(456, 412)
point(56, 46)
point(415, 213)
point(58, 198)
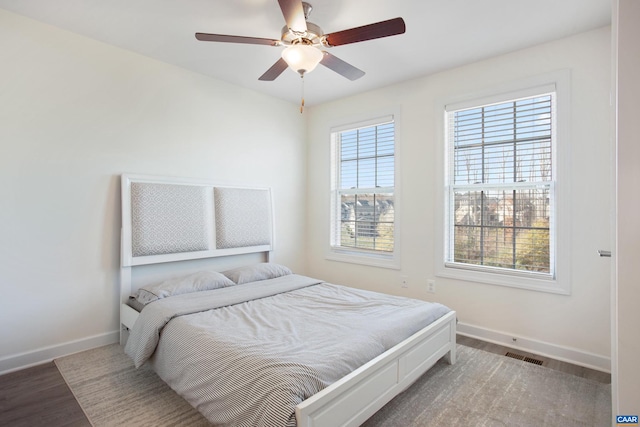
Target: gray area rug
point(486, 389)
point(481, 389)
point(112, 392)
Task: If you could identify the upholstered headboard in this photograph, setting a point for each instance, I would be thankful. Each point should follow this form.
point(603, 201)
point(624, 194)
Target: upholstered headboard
point(168, 219)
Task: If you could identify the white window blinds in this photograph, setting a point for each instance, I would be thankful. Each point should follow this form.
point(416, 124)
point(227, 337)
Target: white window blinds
point(500, 185)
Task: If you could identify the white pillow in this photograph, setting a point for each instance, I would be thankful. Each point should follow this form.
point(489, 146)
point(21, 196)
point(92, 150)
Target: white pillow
point(252, 273)
point(200, 281)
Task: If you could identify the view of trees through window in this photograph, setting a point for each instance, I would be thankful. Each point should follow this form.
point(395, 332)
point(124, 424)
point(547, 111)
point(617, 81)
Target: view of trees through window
point(501, 185)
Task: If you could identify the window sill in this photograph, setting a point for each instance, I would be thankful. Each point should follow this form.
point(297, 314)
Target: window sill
point(370, 259)
point(516, 280)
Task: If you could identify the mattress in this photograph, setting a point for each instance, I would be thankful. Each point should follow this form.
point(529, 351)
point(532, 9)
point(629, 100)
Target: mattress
point(248, 354)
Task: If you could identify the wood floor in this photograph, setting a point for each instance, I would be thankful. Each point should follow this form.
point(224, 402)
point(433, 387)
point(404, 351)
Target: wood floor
point(38, 396)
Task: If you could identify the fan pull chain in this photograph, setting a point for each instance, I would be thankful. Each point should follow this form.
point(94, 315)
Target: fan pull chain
point(302, 94)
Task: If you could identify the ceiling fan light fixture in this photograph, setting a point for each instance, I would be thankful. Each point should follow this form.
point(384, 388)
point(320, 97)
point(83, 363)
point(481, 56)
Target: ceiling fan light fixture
point(302, 58)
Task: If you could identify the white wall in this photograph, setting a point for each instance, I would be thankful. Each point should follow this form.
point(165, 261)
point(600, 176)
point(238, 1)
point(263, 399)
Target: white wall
point(74, 115)
point(574, 327)
point(626, 319)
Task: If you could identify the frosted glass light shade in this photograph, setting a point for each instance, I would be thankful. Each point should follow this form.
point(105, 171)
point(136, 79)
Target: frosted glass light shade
point(302, 58)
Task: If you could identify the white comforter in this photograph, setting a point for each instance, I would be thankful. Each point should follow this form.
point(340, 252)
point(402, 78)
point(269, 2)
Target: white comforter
point(269, 345)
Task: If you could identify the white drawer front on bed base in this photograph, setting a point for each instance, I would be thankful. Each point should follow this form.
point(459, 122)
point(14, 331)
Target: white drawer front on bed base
point(128, 318)
point(353, 399)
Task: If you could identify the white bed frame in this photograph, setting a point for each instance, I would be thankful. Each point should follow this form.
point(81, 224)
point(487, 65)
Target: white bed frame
point(349, 401)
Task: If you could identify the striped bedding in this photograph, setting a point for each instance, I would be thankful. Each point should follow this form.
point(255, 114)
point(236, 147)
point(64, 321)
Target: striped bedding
point(248, 354)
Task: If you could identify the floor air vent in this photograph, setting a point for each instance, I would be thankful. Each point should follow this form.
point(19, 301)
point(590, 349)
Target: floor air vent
point(524, 358)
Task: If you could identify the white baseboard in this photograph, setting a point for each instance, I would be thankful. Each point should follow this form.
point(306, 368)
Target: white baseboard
point(553, 351)
point(47, 354)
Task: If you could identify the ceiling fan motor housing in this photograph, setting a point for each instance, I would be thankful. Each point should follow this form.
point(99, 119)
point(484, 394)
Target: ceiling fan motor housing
point(313, 35)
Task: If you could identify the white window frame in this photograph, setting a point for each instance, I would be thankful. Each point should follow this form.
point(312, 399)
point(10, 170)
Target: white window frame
point(559, 282)
point(334, 252)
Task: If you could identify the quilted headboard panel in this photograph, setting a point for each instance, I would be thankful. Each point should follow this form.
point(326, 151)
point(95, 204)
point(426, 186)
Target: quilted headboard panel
point(172, 219)
point(240, 219)
point(168, 218)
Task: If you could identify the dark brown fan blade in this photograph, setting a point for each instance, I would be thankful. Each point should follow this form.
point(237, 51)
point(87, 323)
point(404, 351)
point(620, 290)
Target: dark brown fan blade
point(235, 39)
point(339, 66)
point(275, 70)
point(378, 30)
point(293, 15)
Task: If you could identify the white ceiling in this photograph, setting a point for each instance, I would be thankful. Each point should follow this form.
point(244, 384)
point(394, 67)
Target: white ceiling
point(440, 35)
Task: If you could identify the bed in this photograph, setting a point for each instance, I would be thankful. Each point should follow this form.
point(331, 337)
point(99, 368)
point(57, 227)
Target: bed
point(258, 344)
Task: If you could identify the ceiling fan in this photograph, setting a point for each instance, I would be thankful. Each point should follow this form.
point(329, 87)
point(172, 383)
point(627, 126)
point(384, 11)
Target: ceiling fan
point(305, 42)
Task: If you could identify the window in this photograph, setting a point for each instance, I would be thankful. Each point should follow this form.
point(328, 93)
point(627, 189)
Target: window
point(500, 184)
point(363, 191)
